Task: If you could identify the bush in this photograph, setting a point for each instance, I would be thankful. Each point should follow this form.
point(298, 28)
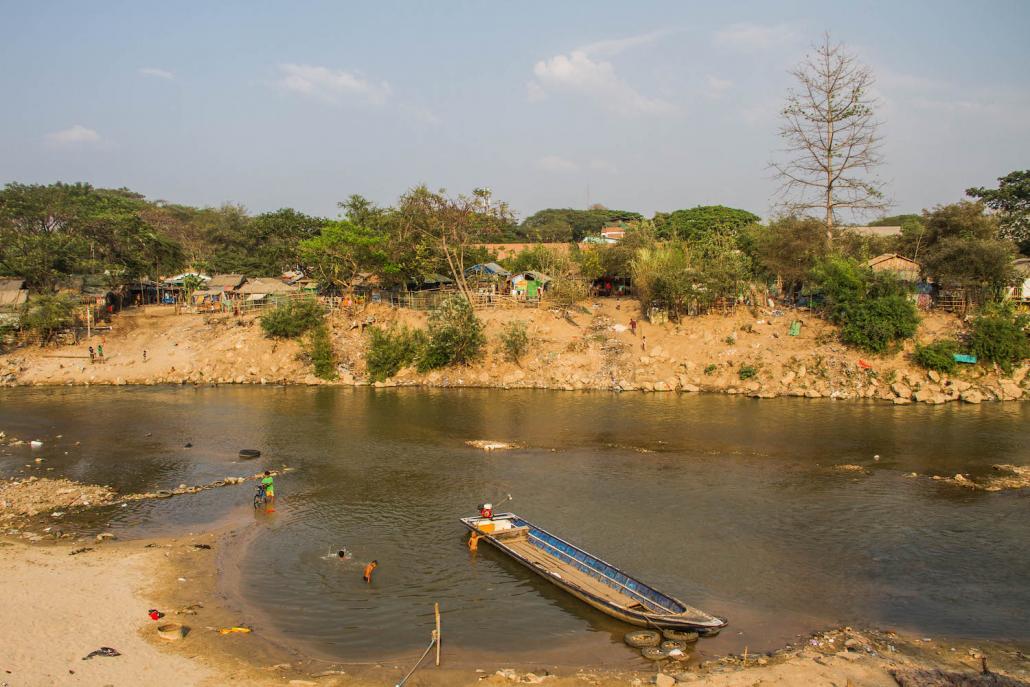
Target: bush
point(514, 340)
point(937, 356)
point(710, 369)
point(874, 325)
point(49, 313)
point(871, 308)
point(290, 320)
point(454, 336)
point(747, 372)
point(320, 350)
point(999, 336)
point(389, 350)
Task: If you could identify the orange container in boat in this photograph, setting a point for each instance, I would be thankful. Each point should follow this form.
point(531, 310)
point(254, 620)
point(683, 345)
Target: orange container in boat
point(486, 526)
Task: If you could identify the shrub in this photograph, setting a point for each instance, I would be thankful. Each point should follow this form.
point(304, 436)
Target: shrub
point(320, 350)
point(999, 336)
point(514, 340)
point(710, 369)
point(454, 336)
point(937, 356)
point(389, 350)
point(49, 313)
point(290, 320)
point(874, 325)
point(747, 372)
point(871, 308)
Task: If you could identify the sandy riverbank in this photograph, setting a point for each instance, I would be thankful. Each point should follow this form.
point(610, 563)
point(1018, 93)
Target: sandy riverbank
point(66, 606)
point(591, 349)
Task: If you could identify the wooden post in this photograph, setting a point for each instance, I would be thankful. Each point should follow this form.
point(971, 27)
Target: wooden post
point(88, 330)
point(436, 610)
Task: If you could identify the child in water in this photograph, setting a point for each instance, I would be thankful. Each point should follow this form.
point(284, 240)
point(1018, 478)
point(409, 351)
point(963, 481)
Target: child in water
point(367, 576)
point(268, 482)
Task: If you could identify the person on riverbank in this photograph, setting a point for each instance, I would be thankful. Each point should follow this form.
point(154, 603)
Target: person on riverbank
point(633, 326)
point(92, 355)
point(100, 352)
point(268, 482)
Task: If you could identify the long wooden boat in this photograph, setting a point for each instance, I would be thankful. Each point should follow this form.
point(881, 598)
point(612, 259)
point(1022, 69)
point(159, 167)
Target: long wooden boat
point(589, 578)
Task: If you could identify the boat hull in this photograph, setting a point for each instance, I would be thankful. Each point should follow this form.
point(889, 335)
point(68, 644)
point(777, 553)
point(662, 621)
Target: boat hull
point(664, 612)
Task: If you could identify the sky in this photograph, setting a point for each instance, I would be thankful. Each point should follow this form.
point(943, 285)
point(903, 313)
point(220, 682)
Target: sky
point(645, 106)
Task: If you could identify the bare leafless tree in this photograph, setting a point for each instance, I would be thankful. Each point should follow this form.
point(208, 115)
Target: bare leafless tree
point(832, 140)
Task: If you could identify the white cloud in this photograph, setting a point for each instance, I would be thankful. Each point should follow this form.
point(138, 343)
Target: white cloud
point(717, 86)
point(577, 73)
point(556, 164)
point(331, 85)
point(73, 135)
point(157, 73)
point(618, 45)
point(754, 36)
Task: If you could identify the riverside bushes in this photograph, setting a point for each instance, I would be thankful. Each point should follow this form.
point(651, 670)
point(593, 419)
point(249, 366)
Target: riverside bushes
point(290, 320)
point(389, 350)
point(320, 350)
point(454, 336)
point(48, 314)
point(998, 335)
point(514, 340)
point(939, 356)
point(872, 309)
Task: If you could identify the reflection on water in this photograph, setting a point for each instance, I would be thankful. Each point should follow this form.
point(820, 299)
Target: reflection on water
point(732, 507)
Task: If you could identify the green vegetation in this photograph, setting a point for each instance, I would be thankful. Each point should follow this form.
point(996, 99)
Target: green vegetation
point(999, 335)
point(320, 350)
point(939, 355)
point(454, 336)
point(290, 320)
point(48, 314)
point(747, 372)
point(390, 350)
point(564, 225)
point(710, 369)
point(702, 221)
point(1011, 200)
point(871, 308)
point(514, 340)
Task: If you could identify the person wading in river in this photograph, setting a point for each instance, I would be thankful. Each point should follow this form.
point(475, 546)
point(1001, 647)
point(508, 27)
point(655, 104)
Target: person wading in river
point(268, 482)
point(367, 575)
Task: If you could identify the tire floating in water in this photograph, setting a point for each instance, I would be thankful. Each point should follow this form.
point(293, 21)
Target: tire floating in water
point(653, 653)
point(248, 453)
point(639, 639)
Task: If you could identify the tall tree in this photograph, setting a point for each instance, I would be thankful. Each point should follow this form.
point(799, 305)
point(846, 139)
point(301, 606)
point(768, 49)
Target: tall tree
point(452, 226)
point(831, 135)
point(1011, 201)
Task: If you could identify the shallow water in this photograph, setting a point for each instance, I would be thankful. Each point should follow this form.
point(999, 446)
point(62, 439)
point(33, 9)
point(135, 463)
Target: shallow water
point(725, 502)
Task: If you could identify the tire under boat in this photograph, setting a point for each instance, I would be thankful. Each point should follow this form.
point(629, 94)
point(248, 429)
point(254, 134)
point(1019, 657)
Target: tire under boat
point(589, 578)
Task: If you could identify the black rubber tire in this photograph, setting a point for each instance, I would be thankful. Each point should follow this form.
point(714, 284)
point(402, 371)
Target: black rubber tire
point(670, 644)
point(249, 453)
point(640, 639)
point(709, 631)
point(653, 653)
point(687, 636)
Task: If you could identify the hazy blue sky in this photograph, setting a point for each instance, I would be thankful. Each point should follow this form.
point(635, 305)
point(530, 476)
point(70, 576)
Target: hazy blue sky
point(639, 105)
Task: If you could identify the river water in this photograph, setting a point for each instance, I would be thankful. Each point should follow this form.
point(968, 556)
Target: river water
point(728, 503)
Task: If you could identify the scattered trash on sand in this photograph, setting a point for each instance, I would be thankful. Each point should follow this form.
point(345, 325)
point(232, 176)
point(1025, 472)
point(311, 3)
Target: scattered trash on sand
point(102, 651)
point(235, 630)
point(172, 631)
point(155, 614)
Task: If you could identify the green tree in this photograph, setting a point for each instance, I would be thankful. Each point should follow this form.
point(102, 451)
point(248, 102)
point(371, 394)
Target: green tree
point(563, 225)
point(1000, 335)
point(788, 249)
point(1011, 201)
point(48, 314)
point(290, 320)
point(703, 220)
point(962, 249)
point(342, 251)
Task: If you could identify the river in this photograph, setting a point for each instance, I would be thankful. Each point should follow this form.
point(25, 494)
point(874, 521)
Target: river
point(728, 503)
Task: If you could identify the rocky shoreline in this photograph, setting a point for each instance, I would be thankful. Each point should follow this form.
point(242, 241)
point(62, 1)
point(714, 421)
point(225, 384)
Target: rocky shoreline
point(744, 353)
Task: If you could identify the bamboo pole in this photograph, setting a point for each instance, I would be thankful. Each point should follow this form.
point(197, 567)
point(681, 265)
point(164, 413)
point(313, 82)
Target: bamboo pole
point(436, 611)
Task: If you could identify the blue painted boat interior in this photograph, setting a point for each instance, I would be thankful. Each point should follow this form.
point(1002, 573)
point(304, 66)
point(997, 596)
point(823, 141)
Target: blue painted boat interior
point(613, 577)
